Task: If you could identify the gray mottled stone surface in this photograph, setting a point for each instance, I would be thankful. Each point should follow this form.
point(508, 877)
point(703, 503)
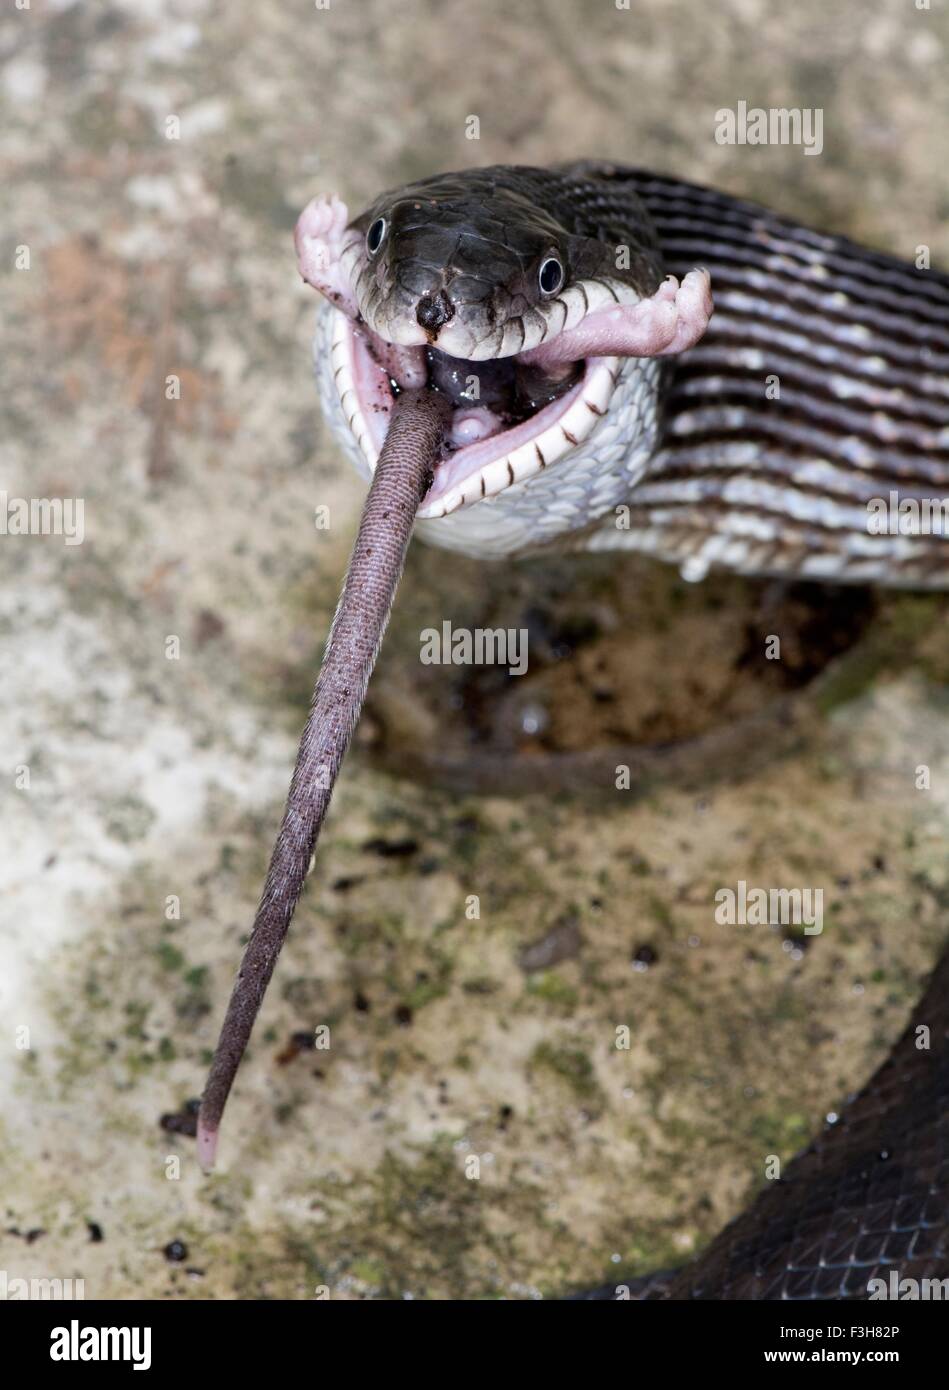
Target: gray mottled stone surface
point(152, 780)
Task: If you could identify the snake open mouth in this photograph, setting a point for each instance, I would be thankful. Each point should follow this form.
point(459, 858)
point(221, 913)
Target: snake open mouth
point(530, 366)
point(509, 421)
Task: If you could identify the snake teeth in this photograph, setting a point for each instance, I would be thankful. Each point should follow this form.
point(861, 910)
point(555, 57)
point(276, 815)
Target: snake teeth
point(482, 469)
point(542, 446)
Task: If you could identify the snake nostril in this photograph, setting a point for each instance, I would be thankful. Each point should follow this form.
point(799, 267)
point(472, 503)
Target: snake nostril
point(434, 311)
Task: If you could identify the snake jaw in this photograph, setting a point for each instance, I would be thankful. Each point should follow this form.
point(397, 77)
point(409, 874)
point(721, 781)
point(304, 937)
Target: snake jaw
point(485, 467)
point(477, 338)
point(441, 297)
point(487, 458)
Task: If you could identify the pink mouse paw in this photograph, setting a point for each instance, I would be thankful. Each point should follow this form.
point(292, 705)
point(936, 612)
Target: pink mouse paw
point(323, 219)
point(693, 305)
point(320, 238)
point(670, 320)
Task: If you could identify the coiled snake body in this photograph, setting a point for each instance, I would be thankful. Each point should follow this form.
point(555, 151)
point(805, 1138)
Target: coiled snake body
point(590, 401)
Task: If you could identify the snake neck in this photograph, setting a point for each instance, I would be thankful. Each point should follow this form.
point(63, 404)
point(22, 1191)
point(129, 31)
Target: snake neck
point(807, 434)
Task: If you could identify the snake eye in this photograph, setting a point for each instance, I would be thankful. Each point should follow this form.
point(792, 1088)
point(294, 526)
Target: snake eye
point(375, 235)
point(550, 276)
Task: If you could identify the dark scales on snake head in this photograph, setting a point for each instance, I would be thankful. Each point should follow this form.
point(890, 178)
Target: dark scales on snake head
point(516, 357)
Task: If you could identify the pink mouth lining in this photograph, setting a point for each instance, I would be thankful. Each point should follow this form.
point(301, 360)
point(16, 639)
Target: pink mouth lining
point(371, 384)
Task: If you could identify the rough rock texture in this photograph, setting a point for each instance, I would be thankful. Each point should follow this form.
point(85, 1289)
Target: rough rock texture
point(156, 771)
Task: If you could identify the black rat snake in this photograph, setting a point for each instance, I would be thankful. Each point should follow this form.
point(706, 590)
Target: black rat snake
point(586, 400)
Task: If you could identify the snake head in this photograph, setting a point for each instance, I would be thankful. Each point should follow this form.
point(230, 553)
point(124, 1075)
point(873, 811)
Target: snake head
point(517, 293)
point(480, 272)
